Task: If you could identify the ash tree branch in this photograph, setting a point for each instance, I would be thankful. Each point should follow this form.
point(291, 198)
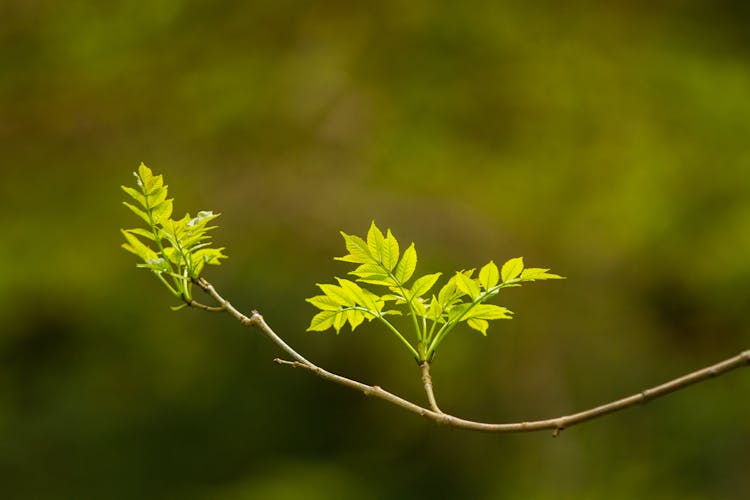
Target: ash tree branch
point(434, 413)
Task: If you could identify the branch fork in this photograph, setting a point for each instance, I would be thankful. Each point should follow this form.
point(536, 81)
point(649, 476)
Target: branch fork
point(433, 412)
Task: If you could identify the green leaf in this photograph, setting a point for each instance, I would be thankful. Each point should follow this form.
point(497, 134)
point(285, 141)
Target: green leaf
point(359, 253)
point(378, 280)
point(173, 255)
point(489, 276)
point(370, 270)
point(136, 246)
point(434, 311)
point(479, 325)
point(147, 180)
point(338, 321)
point(419, 307)
point(142, 232)
point(322, 321)
point(324, 303)
point(407, 265)
point(467, 285)
point(423, 285)
point(390, 251)
point(375, 242)
point(338, 294)
point(137, 211)
point(210, 256)
point(157, 196)
point(458, 311)
point(488, 311)
point(359, 296)
point(137, 196)
point(535, 273)
point(512, 269)
point(448, 294)
point(162, 211)
point(355, 318)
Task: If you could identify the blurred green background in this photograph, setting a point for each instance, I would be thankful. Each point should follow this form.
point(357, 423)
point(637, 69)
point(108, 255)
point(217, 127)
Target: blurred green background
point(607, 141)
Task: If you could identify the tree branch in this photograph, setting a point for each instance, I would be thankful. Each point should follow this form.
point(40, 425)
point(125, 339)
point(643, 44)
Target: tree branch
point(434, 413)
point(427, 382)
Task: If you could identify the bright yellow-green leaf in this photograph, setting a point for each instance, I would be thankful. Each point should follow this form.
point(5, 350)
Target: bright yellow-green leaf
point(358, 295)
point(359, 253)
point(136, 246)
point(375, 242)
point(135, 194)
point(157, 196)
point(142, 232)
point(137, 211)
point(423, 285)
point(435, 311)
point(467, 285)
point(535, 273)
point(378, 280)
point(322, 321)
point(338, 294)
point(390, 251)
point(488, 311)
point(338, 321)
point(512, 269)
point(324, 303)
point(489, 276)
point(479, 325)
point(448, 293)
point(162, 211)
point(407, 265)
point(147, 180)
point(368, 271)
point(419, 307)
point(355, 318)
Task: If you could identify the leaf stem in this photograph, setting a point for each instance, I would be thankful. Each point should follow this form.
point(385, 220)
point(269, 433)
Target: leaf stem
point(400, 337)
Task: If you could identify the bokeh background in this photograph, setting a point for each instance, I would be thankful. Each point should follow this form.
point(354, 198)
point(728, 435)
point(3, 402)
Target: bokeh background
point(608, 141)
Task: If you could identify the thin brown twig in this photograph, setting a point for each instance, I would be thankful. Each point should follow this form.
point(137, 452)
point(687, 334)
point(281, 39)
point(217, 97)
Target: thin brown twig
point(555, 424)
point(198, 305)
point(427, 382)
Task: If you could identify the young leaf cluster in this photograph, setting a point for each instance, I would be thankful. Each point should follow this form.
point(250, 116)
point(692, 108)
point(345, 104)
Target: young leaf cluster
point(176, 251)
point(433, 313)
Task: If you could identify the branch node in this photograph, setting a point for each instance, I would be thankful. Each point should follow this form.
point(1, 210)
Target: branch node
point(644, 397)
